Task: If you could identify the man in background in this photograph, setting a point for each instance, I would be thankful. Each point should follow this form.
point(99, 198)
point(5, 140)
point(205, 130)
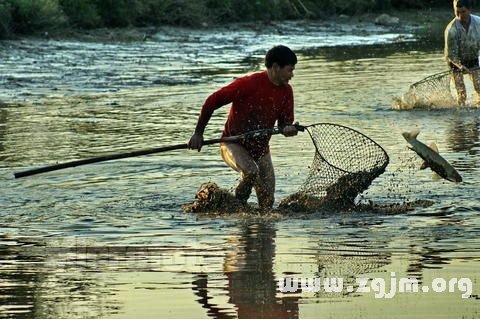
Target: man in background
point(462, 45)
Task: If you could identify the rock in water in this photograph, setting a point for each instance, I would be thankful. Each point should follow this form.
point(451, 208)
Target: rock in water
point(386, 20)
point(210, 198)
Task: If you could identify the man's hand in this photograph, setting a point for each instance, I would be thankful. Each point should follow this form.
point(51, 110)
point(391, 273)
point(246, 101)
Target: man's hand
point(196, 142)
point(290, 130)
point(465, 69)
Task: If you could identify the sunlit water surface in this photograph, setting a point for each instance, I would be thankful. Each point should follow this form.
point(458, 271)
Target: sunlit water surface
point(111, 240)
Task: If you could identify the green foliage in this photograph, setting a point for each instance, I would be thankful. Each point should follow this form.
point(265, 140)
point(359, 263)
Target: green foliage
point(220, 10)
point(345, 6)
point(356, 6)
point(81, 13)
point(152, 12)
point(27, 16)
point(184, 12)
point(5, 19)
point(117, 13)
point(35, 15)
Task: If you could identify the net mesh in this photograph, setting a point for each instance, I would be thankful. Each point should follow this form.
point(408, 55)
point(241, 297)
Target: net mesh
point(345, 164)
point(437, 91)
point(433, 90)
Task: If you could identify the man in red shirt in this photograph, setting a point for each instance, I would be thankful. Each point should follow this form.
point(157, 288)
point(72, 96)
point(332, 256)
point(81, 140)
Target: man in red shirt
point(258, 101)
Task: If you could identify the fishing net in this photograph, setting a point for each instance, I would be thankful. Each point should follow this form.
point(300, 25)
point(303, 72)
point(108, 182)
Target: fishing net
point(435, 91)
point(345, 164)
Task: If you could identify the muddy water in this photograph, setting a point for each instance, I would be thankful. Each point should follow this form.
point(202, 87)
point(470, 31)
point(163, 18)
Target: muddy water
point(110, 240)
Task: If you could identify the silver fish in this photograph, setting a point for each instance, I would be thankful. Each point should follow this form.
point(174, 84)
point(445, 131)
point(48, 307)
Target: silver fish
point(431, 157)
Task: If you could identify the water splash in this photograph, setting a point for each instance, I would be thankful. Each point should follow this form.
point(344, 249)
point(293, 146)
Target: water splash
point(432, 92)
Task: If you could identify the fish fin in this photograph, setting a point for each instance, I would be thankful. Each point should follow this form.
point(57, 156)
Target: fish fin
point(436, 176)
point(411, 134)
point(424, 165)
point(434, 147)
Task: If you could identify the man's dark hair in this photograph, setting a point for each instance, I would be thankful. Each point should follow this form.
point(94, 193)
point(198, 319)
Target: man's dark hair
point(464, 4)
point(282, 55)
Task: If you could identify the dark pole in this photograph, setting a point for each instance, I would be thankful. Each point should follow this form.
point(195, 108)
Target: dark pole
point(116, 156)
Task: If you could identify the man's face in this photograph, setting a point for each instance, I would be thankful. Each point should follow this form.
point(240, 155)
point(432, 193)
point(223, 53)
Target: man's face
point(462, 14)
point(283, 75)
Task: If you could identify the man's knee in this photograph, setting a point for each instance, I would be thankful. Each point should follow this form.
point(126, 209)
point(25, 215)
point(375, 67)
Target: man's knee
point(250, 173)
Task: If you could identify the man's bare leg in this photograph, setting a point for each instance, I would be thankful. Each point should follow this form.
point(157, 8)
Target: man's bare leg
point(476, 85)
point(265, 184)
point(238, 158)
point(460, 86)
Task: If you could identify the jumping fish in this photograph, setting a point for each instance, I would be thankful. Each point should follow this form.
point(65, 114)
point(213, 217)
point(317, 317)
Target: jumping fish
point(431, 157)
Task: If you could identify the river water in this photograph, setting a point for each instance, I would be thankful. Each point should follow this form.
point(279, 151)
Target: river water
point(111, 240)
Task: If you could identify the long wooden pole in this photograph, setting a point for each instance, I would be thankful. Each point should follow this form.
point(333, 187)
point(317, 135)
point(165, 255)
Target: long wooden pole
point(116, 156)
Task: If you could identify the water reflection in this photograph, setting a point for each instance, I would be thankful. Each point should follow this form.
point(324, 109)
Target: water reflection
point(375, 51)
point(356, 249)
point(252, 286)
point(437, 245)
point(3, 129)
point(16, 295)
point(40, 281)
point(464, 134)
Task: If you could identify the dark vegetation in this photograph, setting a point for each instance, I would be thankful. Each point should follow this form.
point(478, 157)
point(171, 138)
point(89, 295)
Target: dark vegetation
point(32, 16)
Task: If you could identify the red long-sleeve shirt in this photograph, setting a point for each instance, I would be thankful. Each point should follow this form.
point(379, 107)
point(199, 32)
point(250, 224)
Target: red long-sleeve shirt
point(256, 104)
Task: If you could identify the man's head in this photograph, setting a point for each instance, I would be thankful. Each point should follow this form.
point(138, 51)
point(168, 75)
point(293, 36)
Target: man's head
point(463, 9)
point(280, 62)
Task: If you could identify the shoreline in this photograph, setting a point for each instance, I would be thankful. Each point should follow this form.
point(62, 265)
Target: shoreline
point(424, 24)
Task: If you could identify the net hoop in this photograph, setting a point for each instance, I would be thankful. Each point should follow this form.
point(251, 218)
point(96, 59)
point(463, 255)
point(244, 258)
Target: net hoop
point(438, 75)
point(430, 78)
point(320, 153)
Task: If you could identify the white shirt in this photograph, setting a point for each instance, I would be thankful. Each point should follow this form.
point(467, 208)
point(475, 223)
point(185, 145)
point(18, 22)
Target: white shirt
point(460, 45)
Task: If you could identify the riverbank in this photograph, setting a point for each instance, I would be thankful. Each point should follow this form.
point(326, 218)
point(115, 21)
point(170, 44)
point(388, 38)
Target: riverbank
point(29, 16)
point(426, 24)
